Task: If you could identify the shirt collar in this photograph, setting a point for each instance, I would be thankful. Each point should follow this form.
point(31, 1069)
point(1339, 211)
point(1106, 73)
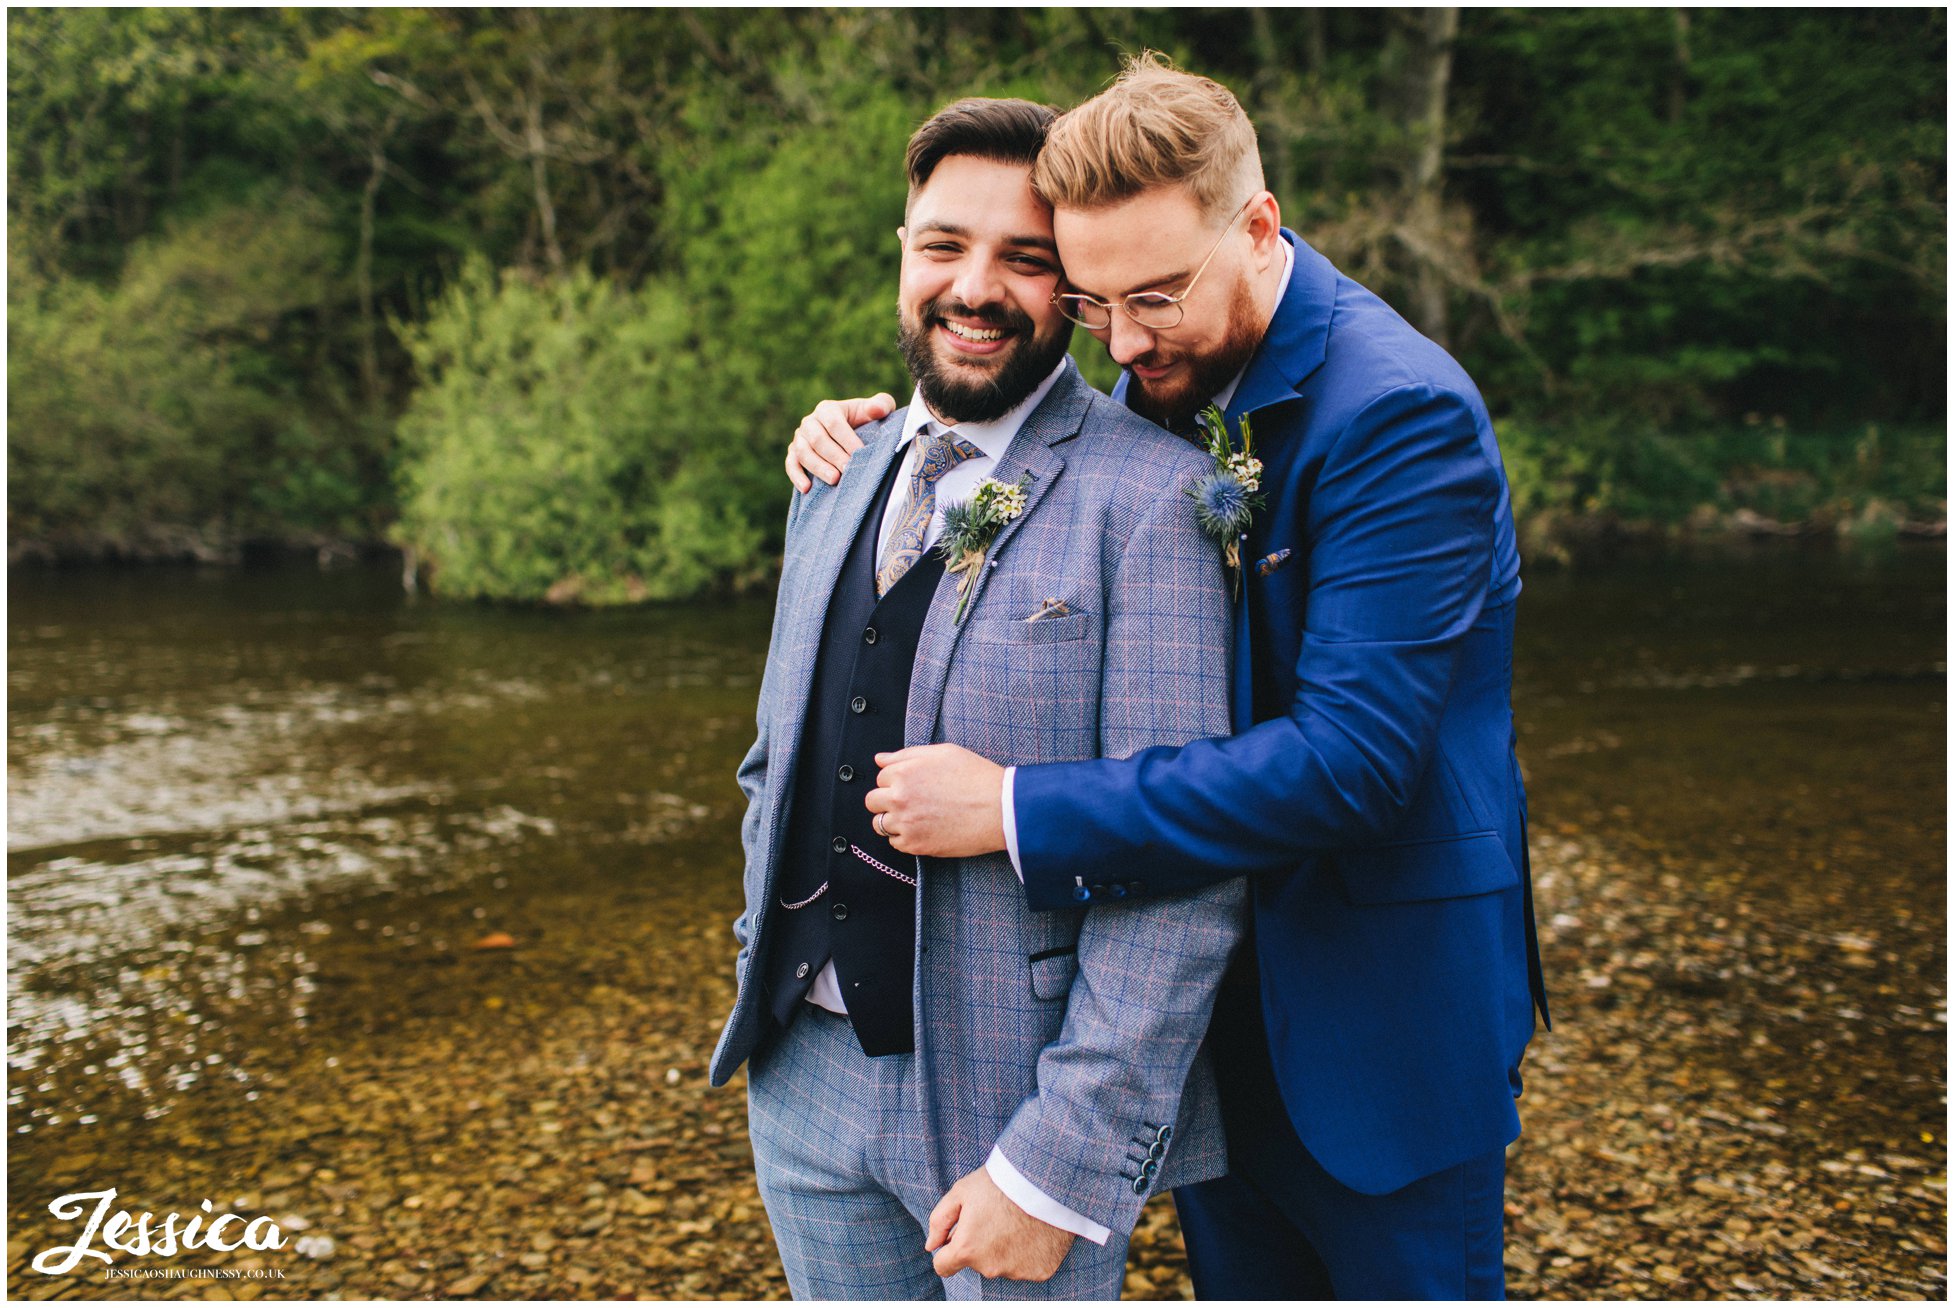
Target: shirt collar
point(993, 437)
point(1288, 267)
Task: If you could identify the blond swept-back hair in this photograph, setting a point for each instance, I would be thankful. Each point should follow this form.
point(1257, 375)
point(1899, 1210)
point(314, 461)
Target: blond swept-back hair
point(1154, 126)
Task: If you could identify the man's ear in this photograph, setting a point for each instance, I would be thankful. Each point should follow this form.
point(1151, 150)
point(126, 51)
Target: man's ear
point(1265, 229)
point(902, 235)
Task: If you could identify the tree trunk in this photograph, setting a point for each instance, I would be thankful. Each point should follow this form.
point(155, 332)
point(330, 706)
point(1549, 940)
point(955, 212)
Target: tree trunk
point(1679, 71)
point(1269, 64)
point(538, 161)
point(1427, 80)
point(363, 263)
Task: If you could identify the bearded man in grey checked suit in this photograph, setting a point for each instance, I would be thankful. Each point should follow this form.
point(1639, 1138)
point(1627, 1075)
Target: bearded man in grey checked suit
point(933, 1068)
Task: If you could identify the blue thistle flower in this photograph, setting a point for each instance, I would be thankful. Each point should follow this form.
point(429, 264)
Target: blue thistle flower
point(962, 529)
point(1221, 505)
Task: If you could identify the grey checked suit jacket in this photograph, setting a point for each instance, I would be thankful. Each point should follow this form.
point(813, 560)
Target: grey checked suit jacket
point(1067, 1039)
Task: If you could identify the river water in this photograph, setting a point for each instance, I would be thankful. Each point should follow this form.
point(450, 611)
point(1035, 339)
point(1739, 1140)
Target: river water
point(267, 827)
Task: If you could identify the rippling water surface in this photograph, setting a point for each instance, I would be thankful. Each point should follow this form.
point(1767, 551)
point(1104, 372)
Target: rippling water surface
point(259, 820)
point(190, 751)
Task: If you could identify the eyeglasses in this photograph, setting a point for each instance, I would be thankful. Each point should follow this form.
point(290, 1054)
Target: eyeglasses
point(1155, 310)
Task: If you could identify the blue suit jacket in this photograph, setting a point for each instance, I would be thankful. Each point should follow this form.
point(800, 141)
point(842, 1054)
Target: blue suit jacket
point(1372, 789)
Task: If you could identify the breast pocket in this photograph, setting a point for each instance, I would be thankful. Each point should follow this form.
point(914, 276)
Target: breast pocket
point(1028, 689)
point(1045, 631)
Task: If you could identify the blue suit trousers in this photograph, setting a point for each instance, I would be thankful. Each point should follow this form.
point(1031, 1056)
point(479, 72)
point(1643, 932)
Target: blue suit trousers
point(1279, 1227)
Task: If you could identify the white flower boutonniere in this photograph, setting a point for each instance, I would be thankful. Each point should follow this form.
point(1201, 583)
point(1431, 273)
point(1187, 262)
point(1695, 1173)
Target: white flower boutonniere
point(969, 527)
point(1226, 499)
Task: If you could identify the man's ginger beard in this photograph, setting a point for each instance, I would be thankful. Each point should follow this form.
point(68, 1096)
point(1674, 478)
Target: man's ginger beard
point(1174, 406)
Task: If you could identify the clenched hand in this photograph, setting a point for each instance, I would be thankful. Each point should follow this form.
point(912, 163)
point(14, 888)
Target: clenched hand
point(976, 1225)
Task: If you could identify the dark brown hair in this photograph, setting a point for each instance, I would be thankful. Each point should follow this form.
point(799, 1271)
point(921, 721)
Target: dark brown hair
point(1007, 131)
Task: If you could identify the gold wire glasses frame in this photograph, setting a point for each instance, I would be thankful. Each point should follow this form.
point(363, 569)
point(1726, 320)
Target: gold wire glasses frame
point(1154, 310)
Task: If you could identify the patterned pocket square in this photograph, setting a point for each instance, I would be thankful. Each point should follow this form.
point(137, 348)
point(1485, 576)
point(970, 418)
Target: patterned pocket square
point(1269, 563)
point(1051, 608)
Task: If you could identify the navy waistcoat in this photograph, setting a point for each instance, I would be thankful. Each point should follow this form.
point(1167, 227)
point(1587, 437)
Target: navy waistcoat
point(843, 891)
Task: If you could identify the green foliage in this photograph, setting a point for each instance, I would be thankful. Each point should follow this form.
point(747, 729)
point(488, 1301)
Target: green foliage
point(1623, 472)
point(547, 452)
point(247, 249)
point(144, 417)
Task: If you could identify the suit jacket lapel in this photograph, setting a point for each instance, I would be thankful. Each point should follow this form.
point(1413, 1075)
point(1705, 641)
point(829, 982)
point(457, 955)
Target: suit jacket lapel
point(1298, 337)
point(830, 529)
point(1031, 455)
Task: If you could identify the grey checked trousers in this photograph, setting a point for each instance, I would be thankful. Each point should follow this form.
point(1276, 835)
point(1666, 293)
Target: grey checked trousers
point(841, 1143)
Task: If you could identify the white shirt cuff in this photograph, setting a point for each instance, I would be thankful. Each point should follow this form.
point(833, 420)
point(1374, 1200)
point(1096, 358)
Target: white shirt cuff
point(1011, 821)
point(1029, 1197)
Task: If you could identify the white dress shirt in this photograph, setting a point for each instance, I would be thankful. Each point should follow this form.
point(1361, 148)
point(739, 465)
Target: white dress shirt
point(992, 439)
point(1221, 400)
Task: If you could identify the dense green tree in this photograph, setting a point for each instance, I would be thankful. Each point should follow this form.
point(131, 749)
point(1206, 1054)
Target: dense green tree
point(1695, 258)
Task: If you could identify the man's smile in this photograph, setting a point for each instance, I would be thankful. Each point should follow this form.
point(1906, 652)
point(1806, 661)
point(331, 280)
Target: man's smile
point(973, 339)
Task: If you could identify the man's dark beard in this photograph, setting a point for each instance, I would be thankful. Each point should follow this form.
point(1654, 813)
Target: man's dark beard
point(1207, 375)
point(953, 394)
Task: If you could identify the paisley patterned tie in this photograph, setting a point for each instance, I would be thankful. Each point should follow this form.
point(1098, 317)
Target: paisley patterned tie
point(906, 541)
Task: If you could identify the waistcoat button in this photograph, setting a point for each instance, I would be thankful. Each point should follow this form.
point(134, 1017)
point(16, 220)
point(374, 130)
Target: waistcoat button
point(839, 844)
point(869, 636)
point(846, 773)
point(858, 705)
point(840, 912)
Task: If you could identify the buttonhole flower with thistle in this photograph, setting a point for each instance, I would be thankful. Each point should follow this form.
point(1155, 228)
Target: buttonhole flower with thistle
point(969, 527)
point(1226, 499)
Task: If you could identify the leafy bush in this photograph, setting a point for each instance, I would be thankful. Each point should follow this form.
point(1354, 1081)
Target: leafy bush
point(547, 453)
point(143, 417)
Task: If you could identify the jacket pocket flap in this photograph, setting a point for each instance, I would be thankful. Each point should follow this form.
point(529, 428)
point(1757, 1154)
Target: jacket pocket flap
point(1045, 631)
point(1445, 868)
point(1052, 972)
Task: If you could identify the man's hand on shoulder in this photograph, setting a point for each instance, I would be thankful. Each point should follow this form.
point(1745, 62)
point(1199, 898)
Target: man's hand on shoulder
point(976, 1225)
point(826, 439)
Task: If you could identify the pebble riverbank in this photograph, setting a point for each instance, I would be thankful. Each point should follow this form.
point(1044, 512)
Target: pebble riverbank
point(533, 1122)
point(408, 928)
